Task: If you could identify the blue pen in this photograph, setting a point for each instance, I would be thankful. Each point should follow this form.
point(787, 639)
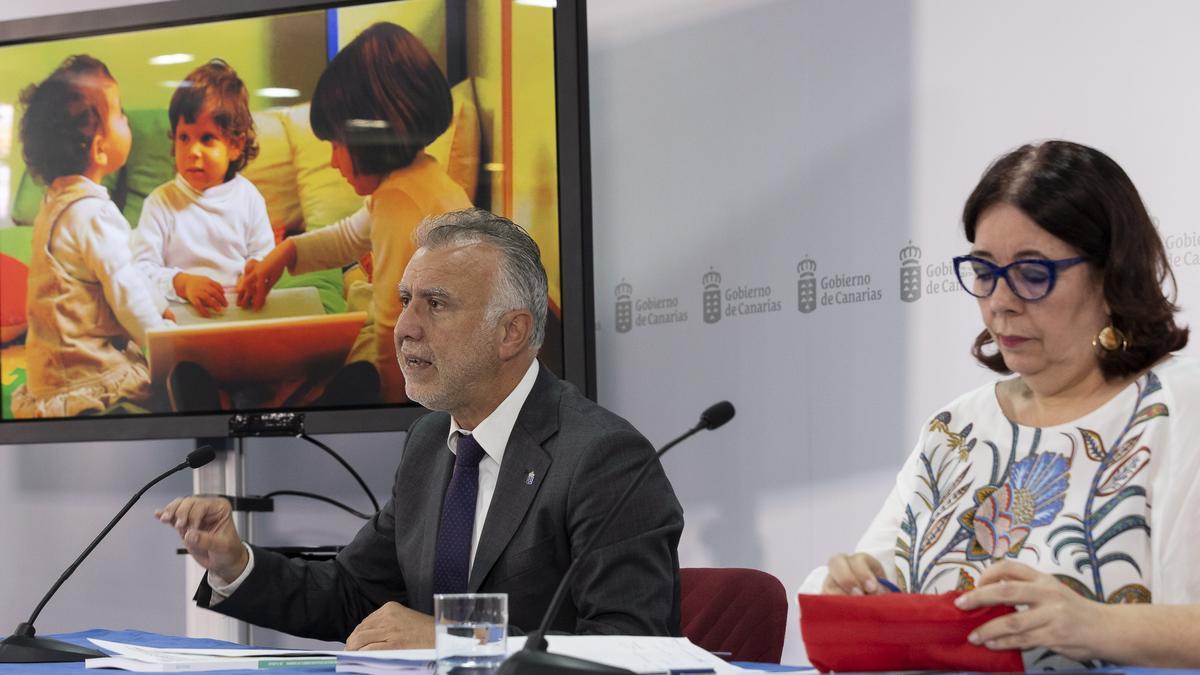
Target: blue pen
point(888, 585)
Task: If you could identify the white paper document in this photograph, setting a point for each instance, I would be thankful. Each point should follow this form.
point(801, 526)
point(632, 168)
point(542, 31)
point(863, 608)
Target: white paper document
point(643, 655)
point(640, 654)
point(165, 660)
point(388, 662)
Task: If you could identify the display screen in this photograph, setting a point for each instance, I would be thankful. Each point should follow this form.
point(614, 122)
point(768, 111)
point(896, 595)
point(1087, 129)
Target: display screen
point(136, 295)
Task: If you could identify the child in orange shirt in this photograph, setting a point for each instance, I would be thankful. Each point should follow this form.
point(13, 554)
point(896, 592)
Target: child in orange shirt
point(379, 103)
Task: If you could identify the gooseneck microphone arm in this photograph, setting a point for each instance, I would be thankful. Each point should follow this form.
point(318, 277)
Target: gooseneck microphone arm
point(533, 659)
point(22, 646)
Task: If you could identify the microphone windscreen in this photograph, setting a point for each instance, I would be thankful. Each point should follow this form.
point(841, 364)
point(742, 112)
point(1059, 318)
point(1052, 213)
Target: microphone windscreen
point(201, 456)
point(716, 415)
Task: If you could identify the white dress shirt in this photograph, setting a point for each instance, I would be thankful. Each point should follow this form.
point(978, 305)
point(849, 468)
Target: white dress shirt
point(492, 435)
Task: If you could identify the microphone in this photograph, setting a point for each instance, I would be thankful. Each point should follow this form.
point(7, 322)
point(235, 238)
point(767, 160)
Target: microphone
point(534, 659)
point(715, 415)
point(22, 646)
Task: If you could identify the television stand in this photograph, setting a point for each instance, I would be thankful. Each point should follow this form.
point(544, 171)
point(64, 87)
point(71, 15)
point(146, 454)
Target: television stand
point(225, 475)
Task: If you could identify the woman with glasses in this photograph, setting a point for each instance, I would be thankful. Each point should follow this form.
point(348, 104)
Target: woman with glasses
point(1036, 490)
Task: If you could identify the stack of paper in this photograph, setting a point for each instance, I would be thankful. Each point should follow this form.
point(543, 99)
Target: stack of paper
point(645, 655)
point(639, 654)
point(386, 662)
point(159, 660)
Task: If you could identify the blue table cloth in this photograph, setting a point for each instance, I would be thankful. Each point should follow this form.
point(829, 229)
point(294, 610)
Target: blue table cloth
point(145, 639)
point(135, 637)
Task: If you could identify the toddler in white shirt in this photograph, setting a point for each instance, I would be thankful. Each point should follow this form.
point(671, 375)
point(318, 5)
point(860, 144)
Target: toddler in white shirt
point(198, 233)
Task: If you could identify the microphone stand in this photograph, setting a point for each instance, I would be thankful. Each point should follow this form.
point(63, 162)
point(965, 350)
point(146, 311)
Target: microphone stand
point(533, 659)
point(22, 646)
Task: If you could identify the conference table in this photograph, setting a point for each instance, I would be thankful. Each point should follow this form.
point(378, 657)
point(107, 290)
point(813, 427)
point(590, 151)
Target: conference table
point(147, 639)
point(156, 640)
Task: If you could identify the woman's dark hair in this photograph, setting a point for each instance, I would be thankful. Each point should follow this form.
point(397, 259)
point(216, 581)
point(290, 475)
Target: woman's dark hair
point(216, 87)
point(384, 98)
point(63, 115)
point(1081, 196)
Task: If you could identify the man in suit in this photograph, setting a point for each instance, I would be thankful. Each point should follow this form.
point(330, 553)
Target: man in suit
point(495, 493)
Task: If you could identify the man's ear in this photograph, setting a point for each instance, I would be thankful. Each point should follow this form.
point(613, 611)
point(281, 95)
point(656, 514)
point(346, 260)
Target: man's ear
point(515, 328)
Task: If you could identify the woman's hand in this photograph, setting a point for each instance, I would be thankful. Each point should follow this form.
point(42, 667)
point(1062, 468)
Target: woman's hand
point(854, 574)
point(1054, 616)
point(260, 276)
point(206, 295)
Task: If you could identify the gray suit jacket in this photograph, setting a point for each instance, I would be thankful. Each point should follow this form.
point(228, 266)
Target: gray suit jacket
point(581, 457)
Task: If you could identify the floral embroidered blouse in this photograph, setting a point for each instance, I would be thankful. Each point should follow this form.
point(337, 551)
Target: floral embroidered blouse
point(1108, 503)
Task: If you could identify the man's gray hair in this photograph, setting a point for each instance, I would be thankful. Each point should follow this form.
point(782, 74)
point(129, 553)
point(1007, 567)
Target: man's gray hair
point(522, 280)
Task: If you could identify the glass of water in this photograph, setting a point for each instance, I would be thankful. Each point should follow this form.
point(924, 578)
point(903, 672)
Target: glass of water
point(471, 632)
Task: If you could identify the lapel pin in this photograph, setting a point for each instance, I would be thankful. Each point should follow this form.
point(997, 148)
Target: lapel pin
point(529, 478)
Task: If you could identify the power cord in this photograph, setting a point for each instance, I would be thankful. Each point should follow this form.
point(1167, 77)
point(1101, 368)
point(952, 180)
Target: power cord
point(289, 424)
point(344, 463)
point(320, 498)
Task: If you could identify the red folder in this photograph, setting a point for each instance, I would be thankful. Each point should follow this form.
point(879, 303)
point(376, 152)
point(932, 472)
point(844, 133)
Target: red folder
point(898, 631)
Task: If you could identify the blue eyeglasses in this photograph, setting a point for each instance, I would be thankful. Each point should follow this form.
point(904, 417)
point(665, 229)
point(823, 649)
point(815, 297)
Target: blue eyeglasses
point(1029, 279)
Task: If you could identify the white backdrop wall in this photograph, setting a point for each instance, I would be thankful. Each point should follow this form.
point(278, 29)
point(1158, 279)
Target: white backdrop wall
point(750, 140)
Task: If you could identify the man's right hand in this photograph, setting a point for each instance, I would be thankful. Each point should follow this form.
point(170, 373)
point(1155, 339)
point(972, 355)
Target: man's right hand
point(205, 524)
point(854, 574)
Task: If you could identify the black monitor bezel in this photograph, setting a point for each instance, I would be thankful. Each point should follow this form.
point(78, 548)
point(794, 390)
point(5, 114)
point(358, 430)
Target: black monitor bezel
point(575, 217)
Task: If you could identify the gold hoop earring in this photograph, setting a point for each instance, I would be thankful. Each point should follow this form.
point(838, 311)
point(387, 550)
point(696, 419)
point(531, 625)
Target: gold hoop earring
point(1110, 339)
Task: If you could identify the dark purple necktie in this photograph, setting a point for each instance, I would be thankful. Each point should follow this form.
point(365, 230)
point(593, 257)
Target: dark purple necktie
point(453, 559)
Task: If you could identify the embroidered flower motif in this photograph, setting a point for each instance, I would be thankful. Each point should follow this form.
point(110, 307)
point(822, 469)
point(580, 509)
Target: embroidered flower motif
point(956, 441)
point(940, 422)
point(1032, 497)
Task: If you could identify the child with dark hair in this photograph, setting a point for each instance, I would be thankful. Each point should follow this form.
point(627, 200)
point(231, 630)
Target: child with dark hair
point(379, 103)
point(198, 233)
point(89, 306)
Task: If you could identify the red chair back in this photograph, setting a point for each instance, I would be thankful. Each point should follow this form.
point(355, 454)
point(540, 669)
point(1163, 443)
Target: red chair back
point(740, 611)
